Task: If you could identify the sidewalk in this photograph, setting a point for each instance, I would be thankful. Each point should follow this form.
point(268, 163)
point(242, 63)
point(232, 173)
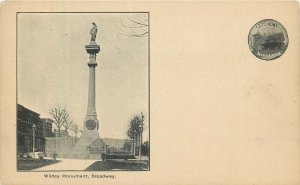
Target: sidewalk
point(67, 164)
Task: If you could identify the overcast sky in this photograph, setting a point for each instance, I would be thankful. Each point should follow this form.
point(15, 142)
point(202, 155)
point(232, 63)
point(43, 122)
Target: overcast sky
point(52, 67)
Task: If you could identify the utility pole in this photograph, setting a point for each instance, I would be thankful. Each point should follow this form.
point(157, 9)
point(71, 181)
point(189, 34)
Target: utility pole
point(134, 142)
point(33, 140)
point(141, 136)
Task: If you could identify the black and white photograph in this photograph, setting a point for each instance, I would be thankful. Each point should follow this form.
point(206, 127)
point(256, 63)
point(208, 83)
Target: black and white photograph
point(83, 96)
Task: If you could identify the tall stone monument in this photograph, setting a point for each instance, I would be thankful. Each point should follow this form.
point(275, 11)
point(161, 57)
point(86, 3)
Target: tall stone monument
point(91, 123)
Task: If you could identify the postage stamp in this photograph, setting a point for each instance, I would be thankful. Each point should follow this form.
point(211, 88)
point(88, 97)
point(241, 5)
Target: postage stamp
point(268, 39)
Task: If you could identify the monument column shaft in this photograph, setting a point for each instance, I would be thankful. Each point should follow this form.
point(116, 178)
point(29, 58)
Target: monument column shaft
point(91, 109)
point(91, 123)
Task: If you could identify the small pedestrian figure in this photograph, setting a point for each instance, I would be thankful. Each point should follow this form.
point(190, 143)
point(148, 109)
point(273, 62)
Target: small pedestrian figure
point(54, 155)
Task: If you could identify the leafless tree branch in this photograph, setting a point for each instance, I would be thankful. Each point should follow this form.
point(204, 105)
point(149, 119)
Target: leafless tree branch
point(136, 28)
point(138, 22)
point(61, 119)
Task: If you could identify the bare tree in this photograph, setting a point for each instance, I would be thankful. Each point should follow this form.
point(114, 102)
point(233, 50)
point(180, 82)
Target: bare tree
point(133, 130)
point(76, 130)
point(61, 119)
point(134, 125)
point(136, 27)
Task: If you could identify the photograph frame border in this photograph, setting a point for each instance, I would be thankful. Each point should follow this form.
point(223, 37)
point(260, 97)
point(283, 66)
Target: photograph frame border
point(148, 81)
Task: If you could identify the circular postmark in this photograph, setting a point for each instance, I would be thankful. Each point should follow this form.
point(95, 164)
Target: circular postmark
point(268, 39)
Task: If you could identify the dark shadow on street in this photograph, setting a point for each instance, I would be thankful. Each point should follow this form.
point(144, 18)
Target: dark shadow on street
point(126, 165)
point(30, 164)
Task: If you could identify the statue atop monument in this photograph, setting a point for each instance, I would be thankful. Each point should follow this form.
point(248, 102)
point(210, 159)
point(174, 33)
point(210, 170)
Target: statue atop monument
point(93, 31)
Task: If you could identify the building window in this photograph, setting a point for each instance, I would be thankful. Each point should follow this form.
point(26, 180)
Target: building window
point(27, 144)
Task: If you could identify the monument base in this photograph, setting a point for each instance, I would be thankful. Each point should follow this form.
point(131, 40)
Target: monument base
point(89, 147)
point(82, 146)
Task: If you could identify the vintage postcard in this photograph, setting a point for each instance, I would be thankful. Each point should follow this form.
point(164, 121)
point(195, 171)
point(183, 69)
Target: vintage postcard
point(185, 92)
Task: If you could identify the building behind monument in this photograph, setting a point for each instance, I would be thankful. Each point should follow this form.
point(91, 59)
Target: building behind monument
point(26, 119)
